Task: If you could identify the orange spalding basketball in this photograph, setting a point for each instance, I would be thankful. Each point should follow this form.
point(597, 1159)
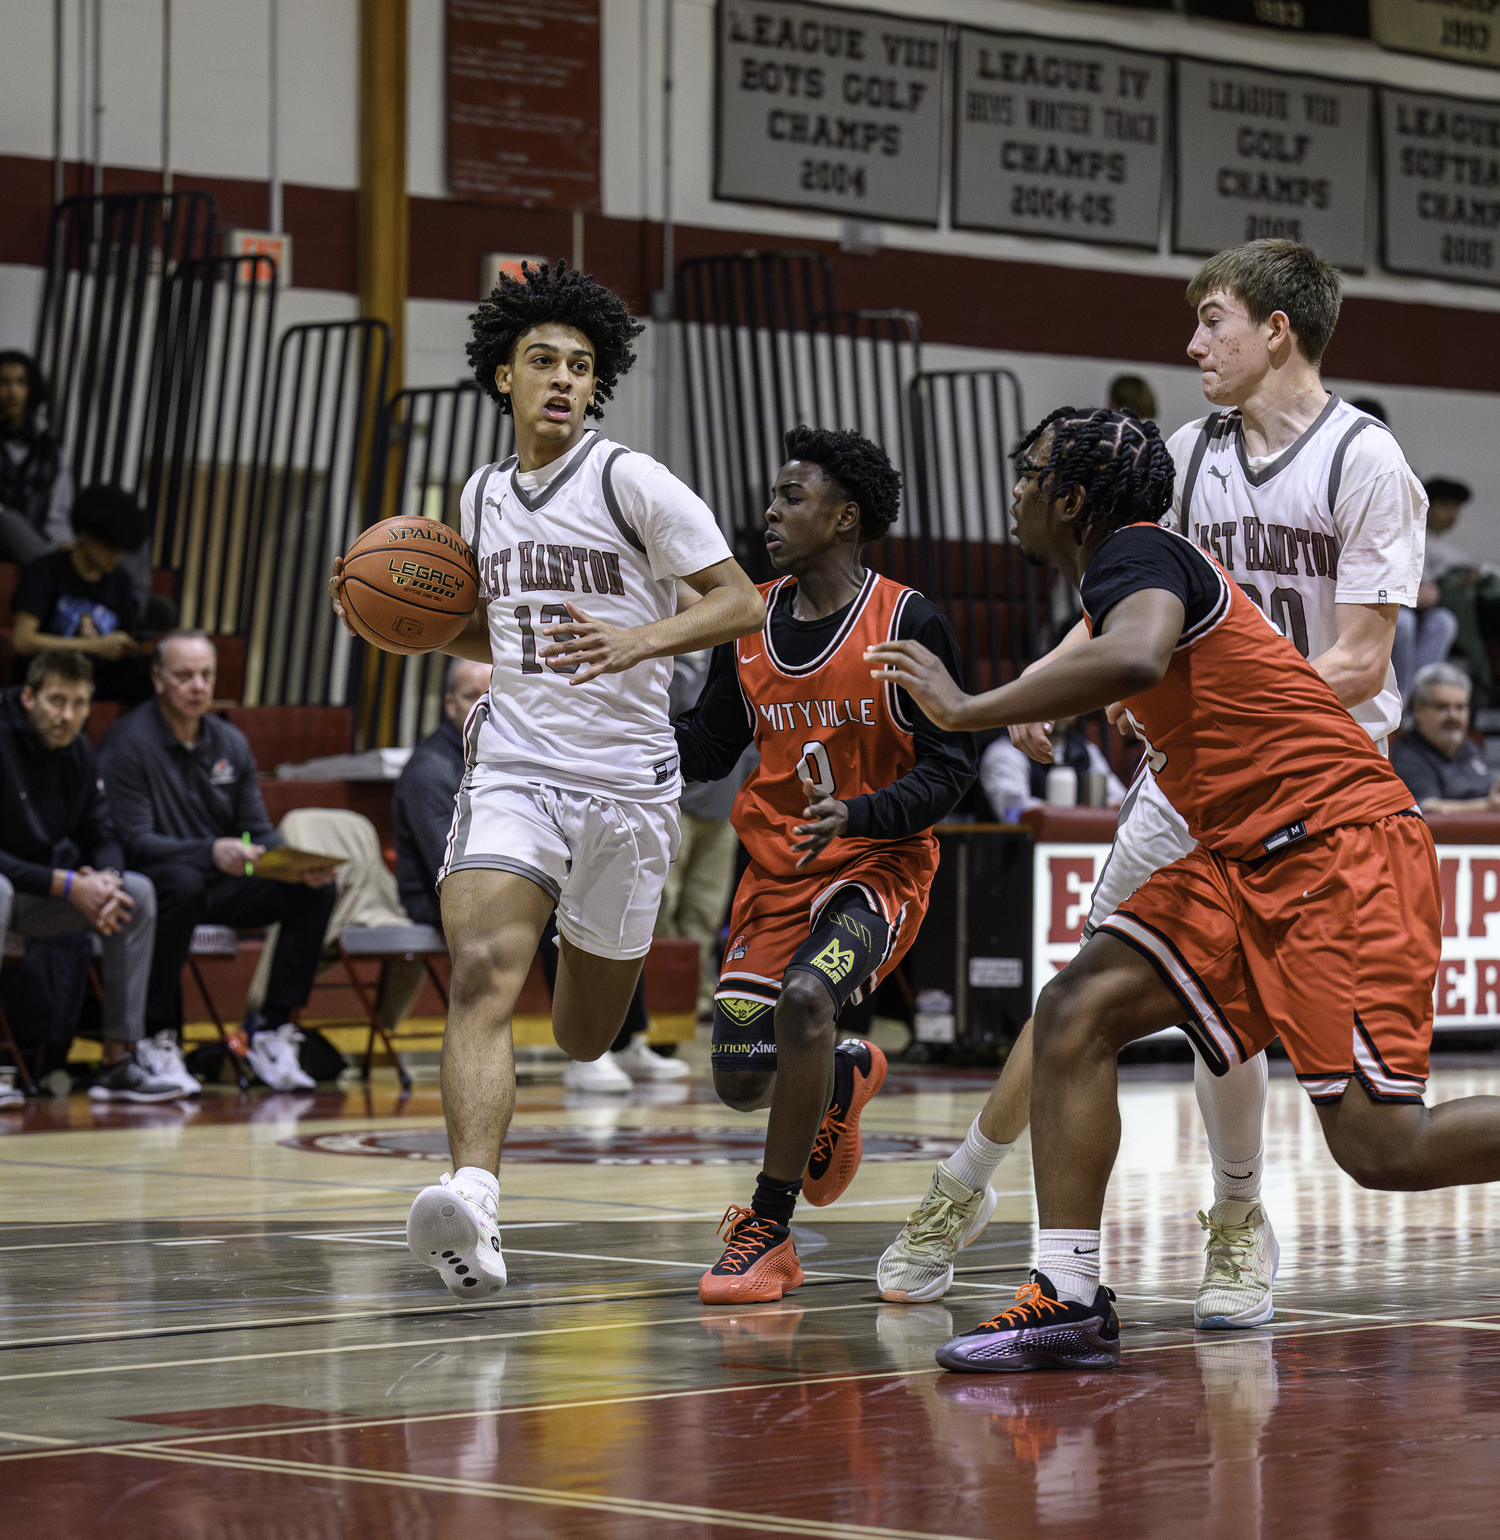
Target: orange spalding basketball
point(410, 584)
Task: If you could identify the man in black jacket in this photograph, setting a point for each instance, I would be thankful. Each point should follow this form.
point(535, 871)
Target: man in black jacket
point(60, 860)
point(182, 784)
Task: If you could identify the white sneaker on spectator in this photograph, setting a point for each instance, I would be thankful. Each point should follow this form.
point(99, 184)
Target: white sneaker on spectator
point(641, 1063)
point(273, 1058)
point(128, 1081)
point(602, 1074)
point(161, 1057)
point(12, 1099)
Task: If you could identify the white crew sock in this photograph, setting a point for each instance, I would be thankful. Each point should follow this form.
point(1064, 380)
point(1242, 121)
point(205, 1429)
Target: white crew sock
point(1070, 1258)
point(479, 1186)
point(1234, 1109)
point(975, 1160)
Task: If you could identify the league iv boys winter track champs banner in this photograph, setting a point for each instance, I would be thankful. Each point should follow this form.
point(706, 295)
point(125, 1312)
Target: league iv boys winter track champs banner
point(1059, 139)
point(828, 109)
point(1265, 154)
point(1468, 982)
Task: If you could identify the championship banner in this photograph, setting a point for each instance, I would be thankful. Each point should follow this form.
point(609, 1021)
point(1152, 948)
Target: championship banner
point(1265, 154)
point(1343, 18)
point(1440, 165)
point(1467, 995)
point(1060, 139)
point(1466, 31)
point(830, 109)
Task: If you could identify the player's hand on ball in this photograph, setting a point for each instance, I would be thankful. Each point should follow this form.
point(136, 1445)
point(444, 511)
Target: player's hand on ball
point(589, 647)
point(911, 667)
point(831, 819)
point(1033, 741)
point(336, 593)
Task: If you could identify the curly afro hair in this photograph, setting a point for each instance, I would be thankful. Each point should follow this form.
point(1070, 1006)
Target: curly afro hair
point(1121, 463)
point(561, 294)
point(859, 466)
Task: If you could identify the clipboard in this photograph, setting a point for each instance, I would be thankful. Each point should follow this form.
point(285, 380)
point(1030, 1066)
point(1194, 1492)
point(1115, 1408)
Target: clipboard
point(285, 863)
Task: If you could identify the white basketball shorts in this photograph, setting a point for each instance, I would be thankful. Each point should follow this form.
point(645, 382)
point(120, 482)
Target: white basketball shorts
point(604, 863)
point(1151, 835)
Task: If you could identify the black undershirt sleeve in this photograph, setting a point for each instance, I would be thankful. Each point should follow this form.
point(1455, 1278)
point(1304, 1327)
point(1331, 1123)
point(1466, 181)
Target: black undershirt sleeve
point(946, 762)
point(1146, 556)
point(712, 734)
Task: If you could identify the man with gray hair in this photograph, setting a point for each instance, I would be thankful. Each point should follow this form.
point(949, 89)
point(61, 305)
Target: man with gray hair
point(1442, 765)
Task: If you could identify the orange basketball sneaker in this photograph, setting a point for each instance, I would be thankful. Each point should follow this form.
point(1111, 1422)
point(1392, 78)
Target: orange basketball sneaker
point(759, 1261)
point(858, 1073)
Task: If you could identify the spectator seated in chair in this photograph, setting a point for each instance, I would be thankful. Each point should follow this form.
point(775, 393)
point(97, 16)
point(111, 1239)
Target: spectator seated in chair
point(1014, 782)
point(79, 600)
point(423, 809)
point(183, 787)
point(60, 872)
point(36, 487)
point(1442, 766)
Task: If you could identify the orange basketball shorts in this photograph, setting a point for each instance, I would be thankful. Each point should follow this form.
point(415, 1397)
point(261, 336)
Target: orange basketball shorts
point(1332, 944)
point(773, 916)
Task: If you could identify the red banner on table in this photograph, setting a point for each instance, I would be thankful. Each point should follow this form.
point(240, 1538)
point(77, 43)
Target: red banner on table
point(523, 102)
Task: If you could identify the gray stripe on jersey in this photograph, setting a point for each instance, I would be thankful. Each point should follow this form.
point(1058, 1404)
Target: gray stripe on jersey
point(607, 481)
point(1194, 466)
point(1336, 470)
point(508, 864)
point(1258, 478)
point(465, 818)
point(558, 482)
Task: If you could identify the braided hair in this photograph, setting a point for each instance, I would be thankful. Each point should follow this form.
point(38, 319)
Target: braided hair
point(859, 466)
point(559, 294)
point(1121, 463)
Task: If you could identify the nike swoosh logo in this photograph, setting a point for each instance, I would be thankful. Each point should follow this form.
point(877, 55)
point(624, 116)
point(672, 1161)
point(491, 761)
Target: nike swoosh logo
point(1093, 1251)
point(754, 655)
point(1239, 1176)
point(1316, 891)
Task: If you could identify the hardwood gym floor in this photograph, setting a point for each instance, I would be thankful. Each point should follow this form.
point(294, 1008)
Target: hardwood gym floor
point(210, 1326)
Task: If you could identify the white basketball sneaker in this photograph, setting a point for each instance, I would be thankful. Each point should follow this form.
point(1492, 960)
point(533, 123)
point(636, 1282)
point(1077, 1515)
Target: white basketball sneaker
point(161, 1057)
point(918, 1264)
point(273, 1058)
point(1240, 1266)
point(640, 1063)
point(601, 1074)
point(453, 1231)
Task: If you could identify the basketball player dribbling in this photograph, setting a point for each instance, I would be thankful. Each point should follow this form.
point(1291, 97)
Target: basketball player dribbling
point(837, 819)
point(1309, 908)
point(1310, 506)
point(569, 796)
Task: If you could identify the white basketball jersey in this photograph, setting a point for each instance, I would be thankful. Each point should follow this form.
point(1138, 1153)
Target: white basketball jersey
point(1274, 528)
point(609, 537)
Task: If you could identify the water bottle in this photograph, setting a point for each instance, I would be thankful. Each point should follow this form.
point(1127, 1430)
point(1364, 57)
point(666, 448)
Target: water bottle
point(1062, 786)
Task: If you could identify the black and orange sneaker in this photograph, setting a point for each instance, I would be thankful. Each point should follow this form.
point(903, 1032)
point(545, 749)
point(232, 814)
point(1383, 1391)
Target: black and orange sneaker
point(858, 1073)
point(1040, 1331)
point(759, 1261)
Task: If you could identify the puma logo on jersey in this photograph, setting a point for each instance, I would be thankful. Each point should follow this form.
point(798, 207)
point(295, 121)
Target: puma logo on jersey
point(1223, 476)
point(836, 960)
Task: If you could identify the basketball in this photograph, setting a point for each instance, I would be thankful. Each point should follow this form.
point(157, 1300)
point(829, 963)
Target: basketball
point(410, 584)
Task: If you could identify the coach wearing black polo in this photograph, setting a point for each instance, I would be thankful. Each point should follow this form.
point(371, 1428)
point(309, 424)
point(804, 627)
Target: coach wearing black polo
point(182, 784)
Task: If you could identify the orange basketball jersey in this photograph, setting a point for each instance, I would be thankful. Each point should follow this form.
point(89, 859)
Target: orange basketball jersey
point(844, 729)
point(1248, 740)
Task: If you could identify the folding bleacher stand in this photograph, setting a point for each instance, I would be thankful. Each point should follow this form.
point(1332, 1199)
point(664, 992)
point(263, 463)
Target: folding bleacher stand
point(14, 950)
point(389, 943)
point(217, 941)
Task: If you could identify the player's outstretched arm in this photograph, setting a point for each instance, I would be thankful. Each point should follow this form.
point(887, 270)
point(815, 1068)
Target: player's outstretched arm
point(731, 606)
point(1130, 655)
